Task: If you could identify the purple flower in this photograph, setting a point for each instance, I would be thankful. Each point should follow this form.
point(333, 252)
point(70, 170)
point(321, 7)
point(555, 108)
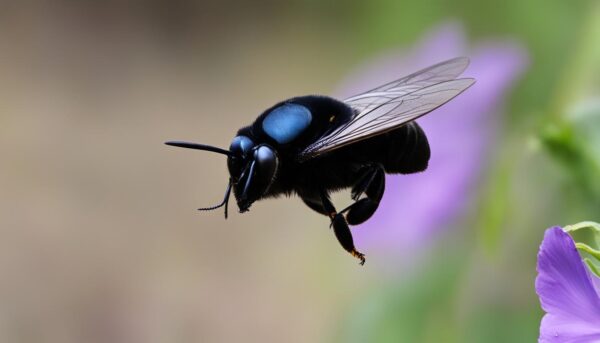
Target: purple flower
point(568, 292)
point(417, 206)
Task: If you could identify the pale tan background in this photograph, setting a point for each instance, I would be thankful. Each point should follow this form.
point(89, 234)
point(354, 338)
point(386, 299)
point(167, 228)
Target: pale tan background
point(100, 240)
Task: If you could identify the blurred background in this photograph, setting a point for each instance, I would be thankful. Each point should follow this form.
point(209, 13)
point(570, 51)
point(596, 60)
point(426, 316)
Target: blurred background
point(101, 241)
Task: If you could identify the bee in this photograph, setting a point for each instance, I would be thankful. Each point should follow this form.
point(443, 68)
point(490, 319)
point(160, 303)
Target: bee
point(314, 145)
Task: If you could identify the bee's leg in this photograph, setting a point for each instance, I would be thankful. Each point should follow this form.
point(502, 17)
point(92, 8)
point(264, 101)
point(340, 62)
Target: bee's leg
point(314, 204)
point(372, 184)
point(369, 175)
point(341, 228)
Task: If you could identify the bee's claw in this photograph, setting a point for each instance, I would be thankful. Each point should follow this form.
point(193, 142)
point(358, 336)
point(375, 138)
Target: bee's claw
point(359, 256)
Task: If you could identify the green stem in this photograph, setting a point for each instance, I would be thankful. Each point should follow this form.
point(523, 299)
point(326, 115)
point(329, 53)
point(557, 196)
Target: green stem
point(582, 247)
point(586, 248)
point(583, 225)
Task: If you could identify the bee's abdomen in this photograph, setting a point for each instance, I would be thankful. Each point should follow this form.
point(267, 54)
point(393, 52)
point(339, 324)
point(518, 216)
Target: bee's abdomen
point(404, 150)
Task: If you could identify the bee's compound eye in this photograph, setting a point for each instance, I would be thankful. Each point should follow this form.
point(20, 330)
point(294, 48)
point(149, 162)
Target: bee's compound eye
point(241, 145)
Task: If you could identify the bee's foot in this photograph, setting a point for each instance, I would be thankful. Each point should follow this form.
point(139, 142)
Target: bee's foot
point(359, 256)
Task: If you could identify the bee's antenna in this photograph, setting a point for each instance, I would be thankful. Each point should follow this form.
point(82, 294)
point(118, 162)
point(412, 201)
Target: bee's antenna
point(199, 147)
point(225, 201)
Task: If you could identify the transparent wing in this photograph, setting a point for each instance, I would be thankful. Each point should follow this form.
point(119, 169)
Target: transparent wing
point(390, 106)
point(444, 71)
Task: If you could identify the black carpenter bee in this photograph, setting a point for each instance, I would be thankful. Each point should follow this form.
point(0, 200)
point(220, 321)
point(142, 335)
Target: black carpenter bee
point(313, 145)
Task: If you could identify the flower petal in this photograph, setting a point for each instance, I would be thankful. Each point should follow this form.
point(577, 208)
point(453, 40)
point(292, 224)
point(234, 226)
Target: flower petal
point(566, 292)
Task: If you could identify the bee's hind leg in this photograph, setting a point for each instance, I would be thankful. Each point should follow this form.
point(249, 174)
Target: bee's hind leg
point(371, 184)
point(341, 228)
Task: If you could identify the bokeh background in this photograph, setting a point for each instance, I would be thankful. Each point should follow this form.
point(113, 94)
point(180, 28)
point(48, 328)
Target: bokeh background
point(100, 239)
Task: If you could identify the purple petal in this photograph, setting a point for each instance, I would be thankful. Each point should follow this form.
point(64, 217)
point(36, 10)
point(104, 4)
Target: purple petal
point(566, 292)
point(417, 206)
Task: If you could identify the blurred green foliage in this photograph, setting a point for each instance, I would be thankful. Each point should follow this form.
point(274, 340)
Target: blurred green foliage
point(419, 310)
point(426, 309)
point(563, 40)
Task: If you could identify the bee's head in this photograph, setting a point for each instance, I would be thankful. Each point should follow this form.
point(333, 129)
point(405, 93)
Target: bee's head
point(252, 169)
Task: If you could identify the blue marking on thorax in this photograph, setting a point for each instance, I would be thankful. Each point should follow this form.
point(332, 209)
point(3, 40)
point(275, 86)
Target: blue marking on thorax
point(287, 122)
